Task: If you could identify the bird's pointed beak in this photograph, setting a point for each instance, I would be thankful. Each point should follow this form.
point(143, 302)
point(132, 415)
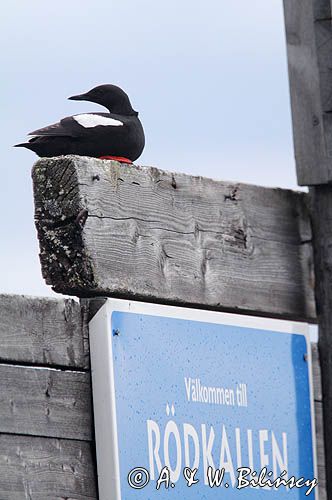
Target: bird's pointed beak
point(79, 97)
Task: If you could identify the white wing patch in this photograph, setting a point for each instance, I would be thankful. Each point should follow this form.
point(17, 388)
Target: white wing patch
point(89, 121)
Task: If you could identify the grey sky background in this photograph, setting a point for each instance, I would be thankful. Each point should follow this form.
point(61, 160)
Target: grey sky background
point(208, 78)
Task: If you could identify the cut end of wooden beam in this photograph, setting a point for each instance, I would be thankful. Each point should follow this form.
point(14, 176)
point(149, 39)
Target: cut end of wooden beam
point(60, 217)
point(43, 331)
point(142, 233)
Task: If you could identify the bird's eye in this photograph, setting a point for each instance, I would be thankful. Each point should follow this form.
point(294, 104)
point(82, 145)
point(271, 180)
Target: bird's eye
point(97, 94)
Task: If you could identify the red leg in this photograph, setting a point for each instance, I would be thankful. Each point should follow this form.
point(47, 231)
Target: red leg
point(121, 159)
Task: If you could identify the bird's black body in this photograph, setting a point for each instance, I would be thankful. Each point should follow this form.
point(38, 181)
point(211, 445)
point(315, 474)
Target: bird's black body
point(118, 133)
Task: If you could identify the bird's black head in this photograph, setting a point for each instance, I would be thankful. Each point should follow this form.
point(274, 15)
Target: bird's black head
point(110, 96)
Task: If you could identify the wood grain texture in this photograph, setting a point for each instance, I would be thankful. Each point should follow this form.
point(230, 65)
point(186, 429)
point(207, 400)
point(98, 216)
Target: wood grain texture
point(316, 373)
point(33, 468)
point(112, 230)
point(321, 467)
point(45, 402)
point(309, 50)
point(90, 307)
point(42, 331)
point(319, 426)
point(321, 209)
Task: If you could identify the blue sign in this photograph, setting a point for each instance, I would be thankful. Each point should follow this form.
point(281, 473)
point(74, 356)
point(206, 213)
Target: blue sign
point(201, 409)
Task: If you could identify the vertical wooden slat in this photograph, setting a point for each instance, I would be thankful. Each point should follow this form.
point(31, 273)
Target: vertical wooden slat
point(309, 50)
point(321, 197)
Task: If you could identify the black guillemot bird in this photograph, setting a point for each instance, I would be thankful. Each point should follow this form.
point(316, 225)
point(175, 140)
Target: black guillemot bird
point(116, 135)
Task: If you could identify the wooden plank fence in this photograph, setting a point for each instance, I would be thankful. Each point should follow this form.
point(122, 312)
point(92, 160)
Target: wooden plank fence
point(46, 434)
point(47, 448)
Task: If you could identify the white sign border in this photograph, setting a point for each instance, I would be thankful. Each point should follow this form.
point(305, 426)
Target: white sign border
point(103, 389)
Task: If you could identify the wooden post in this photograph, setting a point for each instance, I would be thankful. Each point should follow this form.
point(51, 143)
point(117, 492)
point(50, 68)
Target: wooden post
point(321, 203)
point(309, 48)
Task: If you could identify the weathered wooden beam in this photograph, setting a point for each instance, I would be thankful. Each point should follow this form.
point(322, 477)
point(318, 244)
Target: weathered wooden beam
point(45, 402)
point(309, 49)
point(107, 229)
point(33, 468)
point(42, 331)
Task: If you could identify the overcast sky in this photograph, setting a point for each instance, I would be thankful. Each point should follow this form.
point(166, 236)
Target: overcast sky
point(209, 79)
